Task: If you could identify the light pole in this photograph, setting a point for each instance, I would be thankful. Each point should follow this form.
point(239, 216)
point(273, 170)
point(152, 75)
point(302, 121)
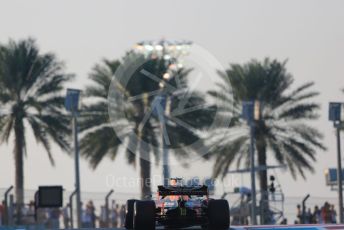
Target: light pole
point(169, 52)
point(251, 112)
point(336, 115)
point(72, 105)
point(159, 106)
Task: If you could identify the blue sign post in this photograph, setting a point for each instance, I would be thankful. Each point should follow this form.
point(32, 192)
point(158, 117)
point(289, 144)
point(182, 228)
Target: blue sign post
point(72, 100)
point(331, 176)
point(72, 105)
point(335, 115)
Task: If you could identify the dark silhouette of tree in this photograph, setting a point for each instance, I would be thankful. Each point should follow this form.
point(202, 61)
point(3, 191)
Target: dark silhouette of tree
point(282, 132)
point(99, 138)
point(30, 97)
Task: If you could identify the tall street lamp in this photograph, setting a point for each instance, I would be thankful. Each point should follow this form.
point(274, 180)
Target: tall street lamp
point(72, 106)
point(251, 113)
point(169, 52)
point(336, 115)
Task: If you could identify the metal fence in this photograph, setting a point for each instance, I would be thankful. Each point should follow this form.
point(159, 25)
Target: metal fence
point(113, 216)
point(292, 202)
point(108, 210)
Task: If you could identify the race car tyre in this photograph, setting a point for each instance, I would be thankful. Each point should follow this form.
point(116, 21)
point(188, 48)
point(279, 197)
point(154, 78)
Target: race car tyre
point(218, 214)
point(144, 215)
point(129, 214)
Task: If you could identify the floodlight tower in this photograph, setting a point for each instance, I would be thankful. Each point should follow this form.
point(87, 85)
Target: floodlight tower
point(169, 52)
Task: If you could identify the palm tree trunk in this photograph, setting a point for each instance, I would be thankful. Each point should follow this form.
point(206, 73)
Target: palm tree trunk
point(263, 182)
point(263, 177)
point(145, 171)
point(19, 167)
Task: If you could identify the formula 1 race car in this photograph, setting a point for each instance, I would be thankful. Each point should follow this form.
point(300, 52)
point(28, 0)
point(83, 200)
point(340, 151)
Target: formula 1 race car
point(178, 206)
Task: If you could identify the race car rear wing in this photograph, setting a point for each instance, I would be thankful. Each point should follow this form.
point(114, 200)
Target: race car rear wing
point(183, 190)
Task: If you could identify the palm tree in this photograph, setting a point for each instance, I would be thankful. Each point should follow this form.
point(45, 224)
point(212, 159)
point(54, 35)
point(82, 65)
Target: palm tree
point(281, 133)
point(99, 139)
point(30, 96)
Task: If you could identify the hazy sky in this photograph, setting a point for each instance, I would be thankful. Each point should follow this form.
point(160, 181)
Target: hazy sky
point(310, 34)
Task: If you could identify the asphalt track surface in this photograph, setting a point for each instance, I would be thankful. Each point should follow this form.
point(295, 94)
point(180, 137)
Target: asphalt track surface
point(198, 228)
point(295, 227)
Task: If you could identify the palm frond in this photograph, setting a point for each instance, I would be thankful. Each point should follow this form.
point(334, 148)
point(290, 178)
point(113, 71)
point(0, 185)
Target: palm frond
point(301, 111)
point(94, 146)
point(41, 138)
point(7, 124)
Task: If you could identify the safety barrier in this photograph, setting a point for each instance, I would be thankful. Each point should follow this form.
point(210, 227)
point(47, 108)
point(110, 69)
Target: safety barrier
point(293, 227)
point(27, 227)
